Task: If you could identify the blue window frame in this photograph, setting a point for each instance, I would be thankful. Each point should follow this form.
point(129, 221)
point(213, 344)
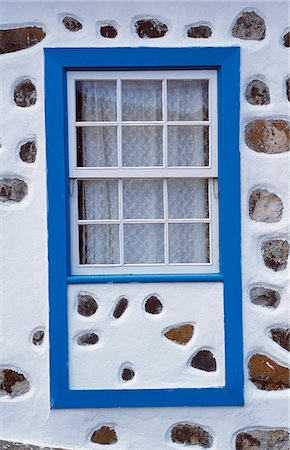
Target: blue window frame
point(60, 61)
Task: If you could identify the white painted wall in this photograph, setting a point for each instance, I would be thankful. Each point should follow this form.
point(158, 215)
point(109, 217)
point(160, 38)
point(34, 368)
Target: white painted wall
point(24, 235)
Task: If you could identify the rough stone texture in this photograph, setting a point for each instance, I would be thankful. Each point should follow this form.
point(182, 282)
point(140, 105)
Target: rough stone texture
point(120, 308)
point(150, 28)
point(275, 253)
point(265, 297)
point(199, 32)
point(265, 206)
point(37, 338)
point(14, 39)
point(13, 383)
point(180, 335)
point(267, 375)
point(87, 305)
point(257, 93)
point(268, 136)
point(153, 305)
point(9, 445)
point(186, 434)
point(108, 31)
point(286, 39)
point(127, 374)
point(25, 94)
point(249, 26)
point(12, 190)
point(281, 336)
point(72, 24)
point(104, 435)
point(28, 152)
point(204, 360)
point(288, 89)
point(87, 339)
point(263, 440)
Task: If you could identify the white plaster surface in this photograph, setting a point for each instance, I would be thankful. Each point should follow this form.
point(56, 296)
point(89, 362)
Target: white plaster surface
point(24, 293)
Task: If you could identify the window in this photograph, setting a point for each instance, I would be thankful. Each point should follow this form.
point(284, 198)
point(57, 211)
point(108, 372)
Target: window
point(144, 188)
point(143, 172)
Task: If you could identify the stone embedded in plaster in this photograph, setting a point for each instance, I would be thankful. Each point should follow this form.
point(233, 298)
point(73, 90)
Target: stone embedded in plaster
point(87, 305)
point(199, 32)
point(153, 305)
point(204, 360)
point(72, 24)
point(28, 152)
point(249, 26)
point(87, 339)
point(14, 39)
point(267, 375)
point(12, 190)
point(105, 435)
point(190, 435)
point(10, 445)
point(25, 93)
point(265, 206)
point(288, 89)
point(127, 373)
point(281, 336)
point(120, 308)
point(275, 253)
point(257, 93)
point(108, 31)
point(13, 383)
point(265, 297)
point(263, 440)
point(150, 28)
point(268, 136)
point(180, 335)
point(38, 337)
point(286, 39)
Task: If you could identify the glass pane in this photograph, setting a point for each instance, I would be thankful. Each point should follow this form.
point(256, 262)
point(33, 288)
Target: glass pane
point(144, 243)
point(189, 243)
point(188, 198)
point(187, 99)
point(141, 100)
point(96, 100)
point(142, 146)
point(97, 147)
point(99, 244)
point(143, 199)
point(98, 199)
point(188, 145)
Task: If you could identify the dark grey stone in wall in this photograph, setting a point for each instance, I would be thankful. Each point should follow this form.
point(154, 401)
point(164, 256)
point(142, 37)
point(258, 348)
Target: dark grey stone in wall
point(190, 435)
point(275, 253)
point(249, 26)
point(281, 336)
point(9, 445)
point(286, 39)
point(153, 305)
point(257, 93)
point(150, 28)
point(120, 307)
point(25, 93)
point(12, 190)
point(87, 305)
point(37, 338)
point(14, 39)
point(204, 360)
point(13, 383)
point(288, 89)
point(265, 206)
point(263, 440)
point(199, 32)
point(108, 31)
point(28, 152)
point(72, 24)
point(262, 296)
point(87, 339)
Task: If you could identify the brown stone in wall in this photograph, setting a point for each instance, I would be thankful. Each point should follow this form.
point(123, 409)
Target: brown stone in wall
point(28, 152)
point(281, 336)
point(108, 31)
point(25, 94)
point(127, 373)
point(120, 308)
point(87, 305)
point(187, 434)
point(87, 339)
point(13, 383)
point(105, 435)
point(275, 253)
point(14, 39)
point(286, 39)
point(12, 190)
point(257, 93)
point(199, 32)
point(153, 305)
point(263, 440)
point(249, 26)
point(204, 360)
point(180, 335)
point(72, 24)
point(267, 375)
point(268, 136)
point(9, 445)
point(150, 28)
point(265, 206)
point(262, 296)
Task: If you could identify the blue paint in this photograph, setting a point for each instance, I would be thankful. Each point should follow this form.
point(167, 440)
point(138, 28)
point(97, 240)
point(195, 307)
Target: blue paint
point(227, 62)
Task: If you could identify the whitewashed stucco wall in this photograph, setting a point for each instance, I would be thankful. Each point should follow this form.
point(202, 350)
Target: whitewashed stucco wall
point(24, 292)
